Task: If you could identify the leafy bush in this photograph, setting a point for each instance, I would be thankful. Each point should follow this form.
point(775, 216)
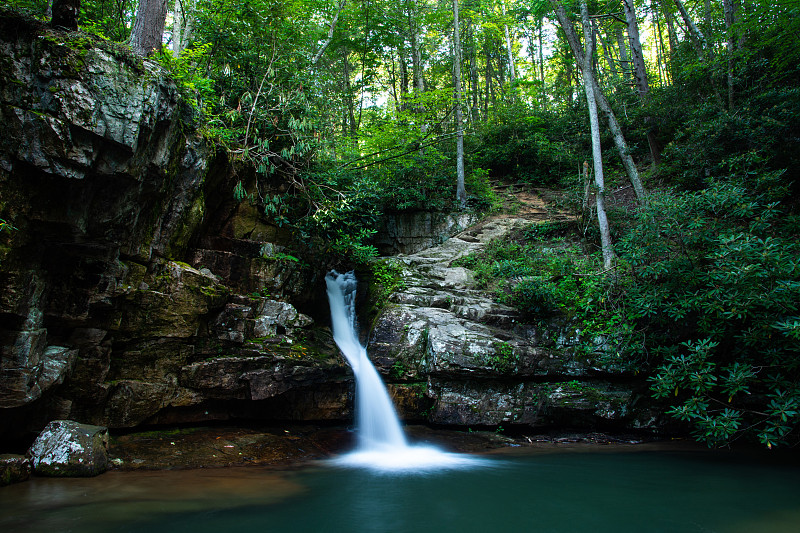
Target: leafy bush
point(715, 283)
point(521, 144)
point(535, 297)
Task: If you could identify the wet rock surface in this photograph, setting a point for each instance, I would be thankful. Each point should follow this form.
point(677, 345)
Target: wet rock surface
point(14, 468)
point(69, 449)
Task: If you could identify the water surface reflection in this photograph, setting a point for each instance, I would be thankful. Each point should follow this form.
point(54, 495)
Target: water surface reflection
point(645, 491)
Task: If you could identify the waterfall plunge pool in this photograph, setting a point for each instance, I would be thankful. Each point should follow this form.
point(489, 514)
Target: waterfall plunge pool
point(581, 490)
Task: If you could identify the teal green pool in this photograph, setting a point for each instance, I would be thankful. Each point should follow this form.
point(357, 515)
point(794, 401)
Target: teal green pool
point(554, 492)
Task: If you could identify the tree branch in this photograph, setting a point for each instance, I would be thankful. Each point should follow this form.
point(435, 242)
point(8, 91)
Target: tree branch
point(321, 50)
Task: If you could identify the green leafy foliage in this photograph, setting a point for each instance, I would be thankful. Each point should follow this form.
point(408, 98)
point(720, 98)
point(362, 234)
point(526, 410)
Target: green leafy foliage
point(385, 279)
point(188, 72)
point(526, 144)
point(718, 289)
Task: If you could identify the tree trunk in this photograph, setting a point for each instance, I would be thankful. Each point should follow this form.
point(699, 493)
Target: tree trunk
point(701, 47)
point(697, 37)
point(177, 23)
point(488, 93)
point(541, 61)
point(661, 52)
point(730, 15)
point(351, 116)
point(623, 56)
point(188, 25)
point(461, 192)
point(148, 29)
point(511, 71)
point(65, 14)
point(612, 66)
point(327, 41)
point(403, 76)
point(602, 102)
point(417, 74)
point(597, 157)
point(416, 60)
point(569, 84)
point(473, 77)
point(640, 72)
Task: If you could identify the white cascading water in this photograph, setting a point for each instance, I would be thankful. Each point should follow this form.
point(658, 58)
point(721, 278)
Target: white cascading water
point(382, 445)
point(378, 425)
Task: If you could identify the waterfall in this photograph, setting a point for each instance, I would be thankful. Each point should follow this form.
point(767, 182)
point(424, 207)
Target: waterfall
point(382, 445)
point(378, 425)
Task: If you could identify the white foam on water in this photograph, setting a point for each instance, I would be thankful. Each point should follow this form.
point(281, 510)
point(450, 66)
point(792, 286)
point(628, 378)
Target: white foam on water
point(408, 459)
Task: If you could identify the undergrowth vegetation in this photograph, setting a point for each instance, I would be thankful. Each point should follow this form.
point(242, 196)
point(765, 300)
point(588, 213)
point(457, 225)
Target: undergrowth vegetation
point(705, 299)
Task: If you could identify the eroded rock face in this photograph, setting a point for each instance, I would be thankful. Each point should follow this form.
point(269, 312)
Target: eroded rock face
point(69, 449)
point(480, 363)
point(128, 263)
point(408, 233)
point(99, 179)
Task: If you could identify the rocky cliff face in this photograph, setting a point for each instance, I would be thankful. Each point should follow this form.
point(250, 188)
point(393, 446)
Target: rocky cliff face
point(122, 261)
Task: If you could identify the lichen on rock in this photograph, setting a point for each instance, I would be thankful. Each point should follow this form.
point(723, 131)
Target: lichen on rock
point(68, 449)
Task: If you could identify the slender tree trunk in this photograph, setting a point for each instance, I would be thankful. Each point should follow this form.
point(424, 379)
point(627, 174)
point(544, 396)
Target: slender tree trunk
point(488, 93)
point(148, 29)
point(541, 62)
point(182, 25)
point(698, 39)
point(416, 59)
point(393, 82)
point(671, 33)
point(730, 16)
point(473, 76)
point(602, 102)
point(461, 192)
point(348, 92)
point(663, 72)
point(640, 72)
point(403, 77)
point(418, 78)
point(701, 47)
point(364, 49)
point(623, 56)
point(569, 84)
point(612, 66)
point(597, 152)
point(177, 23)
point(511, 71)
point(188, 26)
point(672, 36)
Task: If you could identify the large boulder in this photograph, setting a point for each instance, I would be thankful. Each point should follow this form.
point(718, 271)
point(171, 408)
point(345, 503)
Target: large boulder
point(70, 449)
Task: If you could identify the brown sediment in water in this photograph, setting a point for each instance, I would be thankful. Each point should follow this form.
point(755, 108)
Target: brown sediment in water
point(115, 498)
point(286, 446)
point(202, 447)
